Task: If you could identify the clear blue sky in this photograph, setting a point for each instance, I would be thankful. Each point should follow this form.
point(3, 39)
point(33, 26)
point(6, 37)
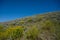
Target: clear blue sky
point(12, 9)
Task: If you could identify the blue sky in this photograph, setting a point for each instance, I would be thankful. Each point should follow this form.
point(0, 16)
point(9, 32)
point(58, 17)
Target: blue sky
point(13, 9)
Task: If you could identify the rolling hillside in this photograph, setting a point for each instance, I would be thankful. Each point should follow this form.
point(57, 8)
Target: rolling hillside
point(38, 27)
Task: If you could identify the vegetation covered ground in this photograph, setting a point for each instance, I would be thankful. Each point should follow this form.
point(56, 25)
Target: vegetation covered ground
point(38, 27)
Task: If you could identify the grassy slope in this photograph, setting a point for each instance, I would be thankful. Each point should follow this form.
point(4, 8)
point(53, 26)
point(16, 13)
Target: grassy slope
point(38, 27)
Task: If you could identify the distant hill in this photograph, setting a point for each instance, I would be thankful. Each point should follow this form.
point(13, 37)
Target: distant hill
point(38, 27)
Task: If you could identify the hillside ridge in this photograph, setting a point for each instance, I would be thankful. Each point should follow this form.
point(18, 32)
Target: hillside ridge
point(38, 27)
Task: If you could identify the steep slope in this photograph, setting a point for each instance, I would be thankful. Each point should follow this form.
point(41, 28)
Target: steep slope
point(38, 27)
point(54, 16)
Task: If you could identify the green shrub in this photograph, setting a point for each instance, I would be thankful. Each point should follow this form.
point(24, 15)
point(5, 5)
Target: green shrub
point(32, 33)
point(12, 33)
point(1, 28)
point(15, 32)
point(48, 25)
